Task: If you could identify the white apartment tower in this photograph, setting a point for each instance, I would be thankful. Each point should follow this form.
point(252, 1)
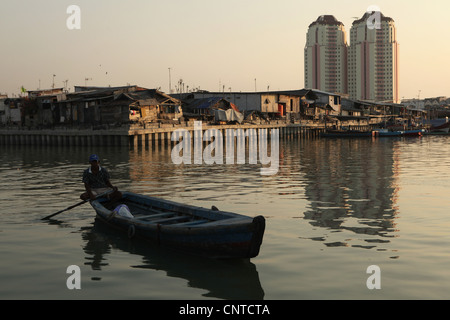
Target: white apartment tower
point(373, 59)
point(326, 55)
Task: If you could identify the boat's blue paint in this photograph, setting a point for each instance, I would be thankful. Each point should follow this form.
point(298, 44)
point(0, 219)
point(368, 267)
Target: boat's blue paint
point(386, 133)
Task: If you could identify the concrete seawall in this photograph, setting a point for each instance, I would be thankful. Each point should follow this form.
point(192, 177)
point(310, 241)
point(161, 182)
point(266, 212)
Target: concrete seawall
point(136, 136)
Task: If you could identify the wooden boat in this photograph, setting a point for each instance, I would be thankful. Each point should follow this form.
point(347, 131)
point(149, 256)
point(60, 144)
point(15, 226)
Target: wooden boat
point(413, 133)
point(375, 133)
point(406, 133)
point(445, 128)
point(196, 230)
point(436, 133)
point(345, 134)
point(386, 133)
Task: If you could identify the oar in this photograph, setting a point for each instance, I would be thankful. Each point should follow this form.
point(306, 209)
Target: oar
point(75, 205)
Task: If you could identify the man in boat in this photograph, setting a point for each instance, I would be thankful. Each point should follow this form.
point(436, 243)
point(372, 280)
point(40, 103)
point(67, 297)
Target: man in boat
point(96, 181)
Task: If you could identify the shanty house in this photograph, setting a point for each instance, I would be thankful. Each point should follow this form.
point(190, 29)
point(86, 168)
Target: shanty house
point(149, 105)
point(213, 109)
point(274, 104)
point(10, 110)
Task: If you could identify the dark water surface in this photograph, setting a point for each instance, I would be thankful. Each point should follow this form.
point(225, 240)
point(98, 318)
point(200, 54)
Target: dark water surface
point(335, 208)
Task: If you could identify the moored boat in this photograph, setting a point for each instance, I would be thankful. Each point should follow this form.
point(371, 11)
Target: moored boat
point(405, 133)
point(436, 133)
point(374, 133)
point(345, 134)
point(192, 229)
point(386, 133)
point(413, 133)
point(444, 128)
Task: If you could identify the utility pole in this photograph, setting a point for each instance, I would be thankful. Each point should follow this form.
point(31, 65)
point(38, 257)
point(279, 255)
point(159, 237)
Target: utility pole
point(170, 83)
point(53, 84)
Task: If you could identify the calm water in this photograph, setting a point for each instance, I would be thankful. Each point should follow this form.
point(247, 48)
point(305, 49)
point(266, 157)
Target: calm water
point(335, 208)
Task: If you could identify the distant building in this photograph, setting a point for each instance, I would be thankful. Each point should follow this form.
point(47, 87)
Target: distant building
point(373, 59)
point(427, 102)
point(44, 92)
point(326, 55)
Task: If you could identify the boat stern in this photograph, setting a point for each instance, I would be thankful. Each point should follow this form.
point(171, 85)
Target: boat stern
point(258, 226)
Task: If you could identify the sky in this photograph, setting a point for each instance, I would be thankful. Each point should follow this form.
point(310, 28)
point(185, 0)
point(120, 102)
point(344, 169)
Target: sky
point(231, 45)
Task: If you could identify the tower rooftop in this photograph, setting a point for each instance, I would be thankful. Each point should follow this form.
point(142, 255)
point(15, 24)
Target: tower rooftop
point(326, 20)
point(369, 14)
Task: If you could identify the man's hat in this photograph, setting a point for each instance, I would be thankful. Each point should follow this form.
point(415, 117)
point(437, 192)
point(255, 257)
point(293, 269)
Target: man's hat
point(93, 157)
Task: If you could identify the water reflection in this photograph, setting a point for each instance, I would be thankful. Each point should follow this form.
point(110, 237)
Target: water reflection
point(223, 279)
point(352, 186)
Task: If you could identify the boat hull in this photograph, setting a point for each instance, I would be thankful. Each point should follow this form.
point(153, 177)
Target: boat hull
point(413, 133)
point(191, 229)
point(387, 133)
point(375, 133)
point(345, 134)
point(445, 128)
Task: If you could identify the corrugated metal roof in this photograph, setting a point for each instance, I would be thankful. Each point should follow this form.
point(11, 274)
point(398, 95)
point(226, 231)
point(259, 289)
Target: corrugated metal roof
point(205, 102)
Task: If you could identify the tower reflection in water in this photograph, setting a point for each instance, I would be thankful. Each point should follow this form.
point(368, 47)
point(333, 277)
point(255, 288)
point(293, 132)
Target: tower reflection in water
point(352, 189)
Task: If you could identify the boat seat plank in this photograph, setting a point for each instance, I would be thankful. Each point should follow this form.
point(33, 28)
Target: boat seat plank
point(231, 221)
point(169, 219)
point(145, 208)
point(156, 215)
point(189, 223)
point(156, 211)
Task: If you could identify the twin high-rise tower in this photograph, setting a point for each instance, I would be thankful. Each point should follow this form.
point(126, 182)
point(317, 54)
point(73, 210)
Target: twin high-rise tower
point(366, 69)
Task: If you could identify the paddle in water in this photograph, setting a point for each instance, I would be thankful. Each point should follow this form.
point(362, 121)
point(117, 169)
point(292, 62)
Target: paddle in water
point(75, 205)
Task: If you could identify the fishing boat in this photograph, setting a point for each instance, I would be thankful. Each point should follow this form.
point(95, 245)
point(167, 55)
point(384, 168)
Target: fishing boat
point(413, 133)
point(444, 128)
point(196, 230)
point(405, 133)
point(345, 134)
point(436, 133)
point(374, 133)
point(386, 133)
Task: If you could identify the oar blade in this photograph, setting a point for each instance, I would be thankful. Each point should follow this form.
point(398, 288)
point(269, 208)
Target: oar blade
point(75, 205)
point(61, 211)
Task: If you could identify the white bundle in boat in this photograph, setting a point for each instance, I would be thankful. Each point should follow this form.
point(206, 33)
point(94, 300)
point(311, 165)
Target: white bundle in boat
point(123, 211)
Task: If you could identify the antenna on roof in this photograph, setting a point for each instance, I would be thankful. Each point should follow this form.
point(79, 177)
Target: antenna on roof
point(65, 85)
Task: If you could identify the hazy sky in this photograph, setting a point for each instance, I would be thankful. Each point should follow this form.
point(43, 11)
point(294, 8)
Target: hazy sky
point(207, 43)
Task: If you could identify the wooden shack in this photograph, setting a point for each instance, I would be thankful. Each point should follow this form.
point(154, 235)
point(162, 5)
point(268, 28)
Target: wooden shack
point(143, 106)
